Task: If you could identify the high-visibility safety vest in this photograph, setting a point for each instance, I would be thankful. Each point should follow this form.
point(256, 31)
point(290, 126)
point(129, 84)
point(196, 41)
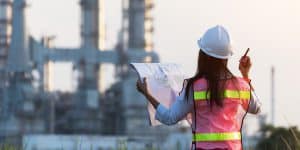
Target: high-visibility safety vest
point(220, 127)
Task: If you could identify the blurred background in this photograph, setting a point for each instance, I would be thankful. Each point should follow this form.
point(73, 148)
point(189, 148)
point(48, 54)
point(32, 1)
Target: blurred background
point(65, 81)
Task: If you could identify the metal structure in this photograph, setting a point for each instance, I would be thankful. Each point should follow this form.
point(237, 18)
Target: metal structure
point(29, 104)
point(5, 32)
point(273, 111)
point(5, 29)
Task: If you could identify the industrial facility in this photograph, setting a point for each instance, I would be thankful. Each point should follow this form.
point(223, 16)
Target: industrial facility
point(35, 115)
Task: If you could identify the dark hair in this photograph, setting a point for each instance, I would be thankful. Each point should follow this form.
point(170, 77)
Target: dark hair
point(216, 73)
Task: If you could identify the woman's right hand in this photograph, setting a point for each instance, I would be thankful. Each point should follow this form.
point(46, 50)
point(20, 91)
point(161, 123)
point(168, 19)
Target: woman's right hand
point(244, 66)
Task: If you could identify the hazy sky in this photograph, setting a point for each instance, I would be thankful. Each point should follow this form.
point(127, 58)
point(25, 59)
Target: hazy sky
point(269, 27)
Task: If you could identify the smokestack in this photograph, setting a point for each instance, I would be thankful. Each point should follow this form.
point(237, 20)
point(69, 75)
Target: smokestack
point(273, 95)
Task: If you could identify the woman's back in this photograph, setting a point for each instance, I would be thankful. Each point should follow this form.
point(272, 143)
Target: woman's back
point(219, 126)
point(219, 106)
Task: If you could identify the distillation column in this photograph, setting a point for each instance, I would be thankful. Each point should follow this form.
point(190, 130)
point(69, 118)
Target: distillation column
point(18, 68)
point(18, 55)
point(93, 25)
point(139, 25)
point(5, 29)
point(5, 37)
point(93, 38)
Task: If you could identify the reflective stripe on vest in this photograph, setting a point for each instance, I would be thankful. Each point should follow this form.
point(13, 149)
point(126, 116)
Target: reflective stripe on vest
point(202, 95)
point(226, 136)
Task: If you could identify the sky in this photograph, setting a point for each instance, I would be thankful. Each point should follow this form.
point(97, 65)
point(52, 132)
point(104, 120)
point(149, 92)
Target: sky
point(270, 28)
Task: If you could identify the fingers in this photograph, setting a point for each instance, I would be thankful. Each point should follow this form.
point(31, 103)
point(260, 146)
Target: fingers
point(245, 61)
point(139, 85)
point(142, 86)
point(145, 81)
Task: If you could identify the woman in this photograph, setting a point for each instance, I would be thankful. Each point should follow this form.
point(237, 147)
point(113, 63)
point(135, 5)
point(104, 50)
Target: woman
point(217, 99)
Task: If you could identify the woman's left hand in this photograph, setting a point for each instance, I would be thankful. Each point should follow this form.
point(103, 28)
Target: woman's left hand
point(142, 87)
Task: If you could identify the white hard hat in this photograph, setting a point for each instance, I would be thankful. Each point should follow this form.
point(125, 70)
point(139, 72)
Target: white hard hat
point(216, 43)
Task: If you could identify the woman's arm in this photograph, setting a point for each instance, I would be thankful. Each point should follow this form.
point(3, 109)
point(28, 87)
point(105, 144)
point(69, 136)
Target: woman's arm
point(255, 104)
point(152, 100)
point(179, 109)
point(244, 67)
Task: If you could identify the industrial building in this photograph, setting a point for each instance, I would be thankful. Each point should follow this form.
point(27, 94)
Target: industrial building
point(31, 110)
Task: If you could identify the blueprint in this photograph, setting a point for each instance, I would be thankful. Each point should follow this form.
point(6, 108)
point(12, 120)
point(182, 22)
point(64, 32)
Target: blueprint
point(165, 81)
